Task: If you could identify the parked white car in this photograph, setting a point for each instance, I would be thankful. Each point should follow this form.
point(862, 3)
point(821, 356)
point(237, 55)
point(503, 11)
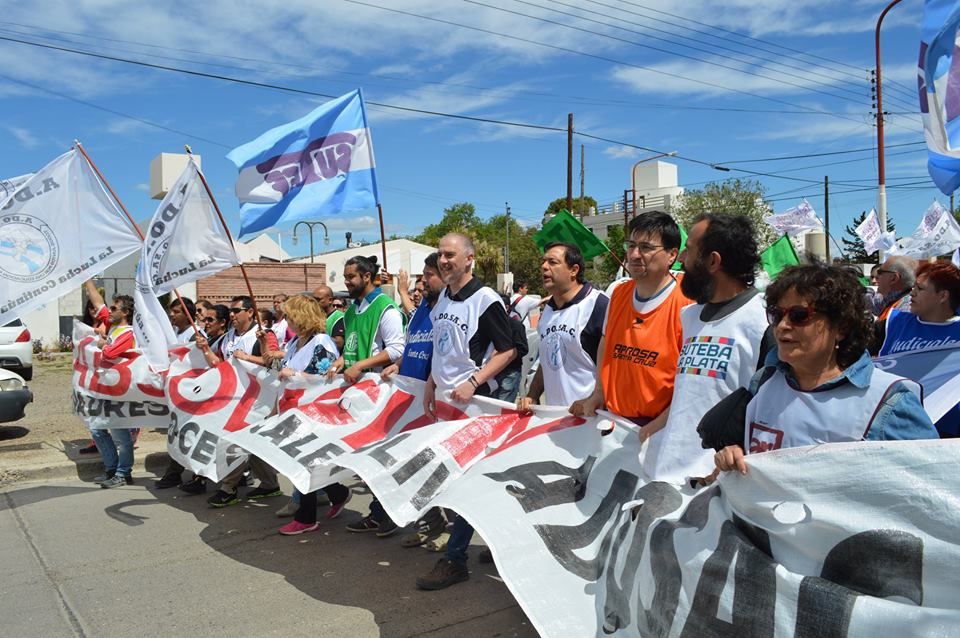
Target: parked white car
point(16, 349)
point(14, 396)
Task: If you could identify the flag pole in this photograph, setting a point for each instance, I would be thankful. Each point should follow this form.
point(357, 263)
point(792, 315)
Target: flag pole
point(104, 181)
point(383, 237)
point(243, 271)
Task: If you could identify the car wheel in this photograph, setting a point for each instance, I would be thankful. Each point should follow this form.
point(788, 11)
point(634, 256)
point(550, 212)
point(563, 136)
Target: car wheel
point(26, 373)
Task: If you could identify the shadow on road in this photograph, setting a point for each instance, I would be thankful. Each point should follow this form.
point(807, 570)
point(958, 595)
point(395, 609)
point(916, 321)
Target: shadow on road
point(356, 570)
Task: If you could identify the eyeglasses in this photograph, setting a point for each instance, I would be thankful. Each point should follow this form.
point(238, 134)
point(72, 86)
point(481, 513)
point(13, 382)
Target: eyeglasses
point(798, 315)
point(208, 320)
point(234, 311)
point(644, 248)
point(881, 271)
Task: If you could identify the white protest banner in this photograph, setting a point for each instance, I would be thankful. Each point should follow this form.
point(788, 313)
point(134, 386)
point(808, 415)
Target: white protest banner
point(115, 393)
point(9, 185)
point(321, 422)
point(151, 325)
point(871, 235)
point(56, 230)
point(937, 234)
point(185, 240)
point(207, 403)
point(795, 220)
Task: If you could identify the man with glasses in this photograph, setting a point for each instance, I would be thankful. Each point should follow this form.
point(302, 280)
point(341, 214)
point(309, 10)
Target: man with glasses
point(726, 339)
point(642, 330)
point(243, 342)
point(895, 278)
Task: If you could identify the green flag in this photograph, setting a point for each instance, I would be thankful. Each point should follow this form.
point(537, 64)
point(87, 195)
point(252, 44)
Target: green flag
point(678, 265)
point(566, 228)
point(778, 256)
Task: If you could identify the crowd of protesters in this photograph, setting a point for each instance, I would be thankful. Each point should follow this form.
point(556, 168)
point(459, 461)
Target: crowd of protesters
point(710, 368)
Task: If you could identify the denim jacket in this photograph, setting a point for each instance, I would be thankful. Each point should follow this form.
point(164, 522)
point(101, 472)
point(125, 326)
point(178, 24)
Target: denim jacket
point(901, 416)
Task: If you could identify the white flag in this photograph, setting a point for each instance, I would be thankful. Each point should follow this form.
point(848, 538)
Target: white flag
point(873, 237)
point(956, 258)
point(795, 220)
point(11, 184)
point(151, 326)
point(937, 234)
point(57, 229)
point(185, 240)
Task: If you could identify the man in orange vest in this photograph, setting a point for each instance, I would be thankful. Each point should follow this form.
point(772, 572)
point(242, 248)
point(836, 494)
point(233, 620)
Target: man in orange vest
point(637, 357)
point(895, 278)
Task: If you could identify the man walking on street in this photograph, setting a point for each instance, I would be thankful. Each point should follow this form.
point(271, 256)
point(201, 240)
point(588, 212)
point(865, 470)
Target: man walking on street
point(472, 343)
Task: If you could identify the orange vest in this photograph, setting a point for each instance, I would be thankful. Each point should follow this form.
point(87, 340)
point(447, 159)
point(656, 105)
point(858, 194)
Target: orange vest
point(640, 353)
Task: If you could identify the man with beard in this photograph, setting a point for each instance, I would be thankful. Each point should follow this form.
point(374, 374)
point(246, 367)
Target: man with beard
point(415, 363)
point(472, 343)
point(373, 325)
point(642, 331)
point(571, 327)
point(726, 338)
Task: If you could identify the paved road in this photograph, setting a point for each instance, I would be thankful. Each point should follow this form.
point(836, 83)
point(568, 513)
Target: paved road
point(81, 561)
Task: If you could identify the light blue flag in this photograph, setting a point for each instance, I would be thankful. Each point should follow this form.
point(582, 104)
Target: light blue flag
point(939, 87)
point(321, 164)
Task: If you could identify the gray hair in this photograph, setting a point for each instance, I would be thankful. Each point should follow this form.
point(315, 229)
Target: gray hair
point(468, 247)
point(904, 266)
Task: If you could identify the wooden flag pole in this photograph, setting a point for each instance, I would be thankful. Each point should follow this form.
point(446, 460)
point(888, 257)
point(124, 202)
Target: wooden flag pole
point(243, 271)
point(103, 180)
point(383, 237)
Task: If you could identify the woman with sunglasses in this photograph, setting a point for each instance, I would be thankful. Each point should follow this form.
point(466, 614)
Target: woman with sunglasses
point(822, 387)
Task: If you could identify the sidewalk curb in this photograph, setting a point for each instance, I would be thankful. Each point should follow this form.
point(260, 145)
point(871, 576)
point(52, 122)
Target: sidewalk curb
point(149, 458)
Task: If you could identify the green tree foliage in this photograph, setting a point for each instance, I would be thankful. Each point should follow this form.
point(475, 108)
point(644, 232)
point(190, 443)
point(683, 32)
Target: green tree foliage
point(853, 245)
point(561, 203)
point(605, 270)
point(734, 196)
point(490, 238)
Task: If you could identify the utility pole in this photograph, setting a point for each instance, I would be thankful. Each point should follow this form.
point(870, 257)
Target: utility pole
point(506, 252)
point(826, 216)
point(582, 178)
point(569, 162)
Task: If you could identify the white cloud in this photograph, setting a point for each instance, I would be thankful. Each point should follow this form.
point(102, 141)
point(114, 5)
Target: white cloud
point(621, 152)
point(143, 187)
point(25, 137)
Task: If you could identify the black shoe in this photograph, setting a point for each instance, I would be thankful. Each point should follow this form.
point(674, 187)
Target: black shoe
point(196, 485)
point(245, 479)
point(167, 480)
point(263, 492)
point(128, 480)
point(106, 476)
point(444, 573)
point(485, 556)
point(387, 527)
point(222, 499)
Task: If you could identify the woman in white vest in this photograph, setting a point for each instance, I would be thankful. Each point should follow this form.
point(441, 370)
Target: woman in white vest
point(822, 387)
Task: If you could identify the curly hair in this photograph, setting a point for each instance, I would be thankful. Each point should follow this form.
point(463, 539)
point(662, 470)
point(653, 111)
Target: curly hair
point(305, 312)
point(835, 292)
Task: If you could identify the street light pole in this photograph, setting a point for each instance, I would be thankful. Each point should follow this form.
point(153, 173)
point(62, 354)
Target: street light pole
point(310, 225)
point(881, 168)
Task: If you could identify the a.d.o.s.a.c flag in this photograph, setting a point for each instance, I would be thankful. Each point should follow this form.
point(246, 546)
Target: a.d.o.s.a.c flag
point(319, 165)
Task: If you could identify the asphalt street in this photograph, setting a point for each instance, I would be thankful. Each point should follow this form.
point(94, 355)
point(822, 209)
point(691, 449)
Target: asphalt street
point(133, 561)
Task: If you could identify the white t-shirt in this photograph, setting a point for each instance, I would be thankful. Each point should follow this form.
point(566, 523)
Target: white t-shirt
point(522, 306)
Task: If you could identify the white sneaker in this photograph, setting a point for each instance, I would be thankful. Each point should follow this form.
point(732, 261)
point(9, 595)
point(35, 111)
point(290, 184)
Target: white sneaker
point(289, 509)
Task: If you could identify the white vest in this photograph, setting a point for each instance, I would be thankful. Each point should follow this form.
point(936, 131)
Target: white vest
point(454, 324)
point(300, 359)
point(781, 417)
point(234, 341)
point(279, 330)
point(717, 357)
point(569, 374)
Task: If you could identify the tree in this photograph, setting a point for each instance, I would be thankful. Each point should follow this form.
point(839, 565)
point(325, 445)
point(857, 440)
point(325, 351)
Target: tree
point(606, 269)
point(853, 247)
point(457, 218)
point(734, 196)
point(561, 203)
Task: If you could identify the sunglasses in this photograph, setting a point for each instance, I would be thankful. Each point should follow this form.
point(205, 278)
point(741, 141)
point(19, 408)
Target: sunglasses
point(208, 320)
point(235, 311)
point(798, 315)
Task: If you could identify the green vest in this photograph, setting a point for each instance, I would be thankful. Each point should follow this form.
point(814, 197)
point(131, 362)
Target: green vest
point(332, 320)
point(361, 328)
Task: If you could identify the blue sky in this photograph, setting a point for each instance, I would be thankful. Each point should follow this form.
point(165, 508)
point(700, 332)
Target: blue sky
point(715, 108)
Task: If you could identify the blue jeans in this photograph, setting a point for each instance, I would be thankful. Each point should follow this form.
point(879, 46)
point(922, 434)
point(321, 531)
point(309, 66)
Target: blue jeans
point(508, 386)
point(116, 450)
point(460, 537)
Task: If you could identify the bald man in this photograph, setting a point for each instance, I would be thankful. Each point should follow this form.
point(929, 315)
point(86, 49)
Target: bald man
point(335, 326)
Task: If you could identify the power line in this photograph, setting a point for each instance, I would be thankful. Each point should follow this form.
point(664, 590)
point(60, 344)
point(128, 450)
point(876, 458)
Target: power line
point(806, 155)
point(577, 52)
point(646, 46)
